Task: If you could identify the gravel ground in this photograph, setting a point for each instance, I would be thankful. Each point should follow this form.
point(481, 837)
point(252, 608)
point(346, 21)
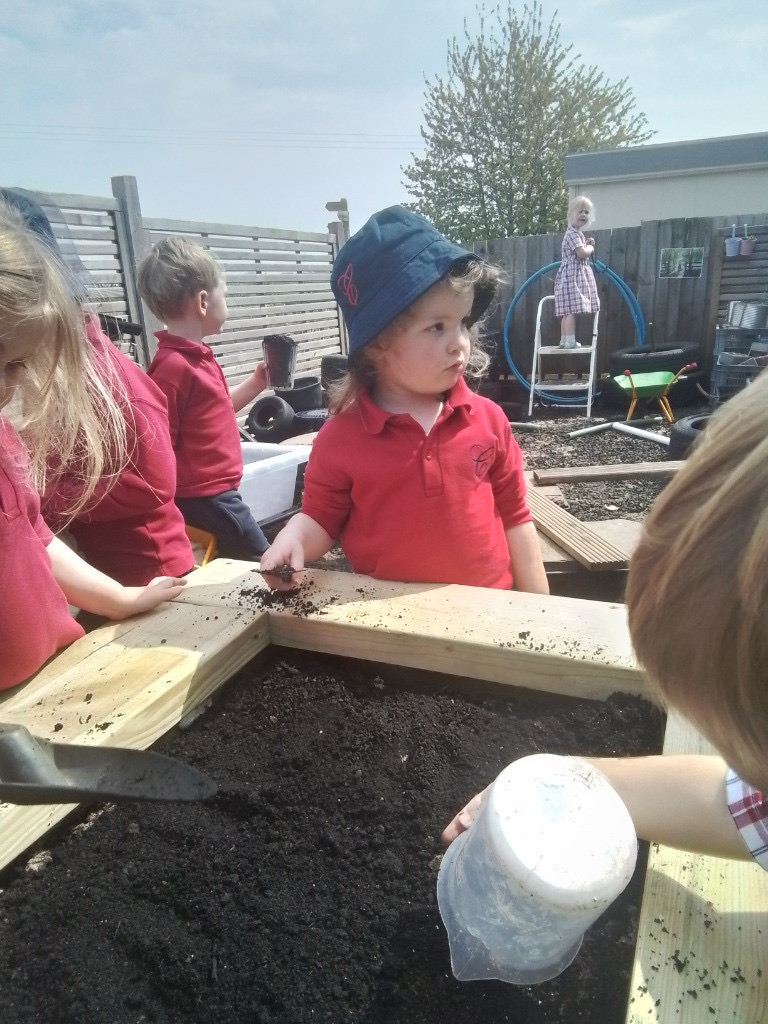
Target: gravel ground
point(550, 447)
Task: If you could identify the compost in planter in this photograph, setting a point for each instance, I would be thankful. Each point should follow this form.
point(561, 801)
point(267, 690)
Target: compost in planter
point(306, 890)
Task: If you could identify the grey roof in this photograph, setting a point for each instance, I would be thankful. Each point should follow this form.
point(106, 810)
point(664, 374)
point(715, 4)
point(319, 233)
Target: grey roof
point(669, 158)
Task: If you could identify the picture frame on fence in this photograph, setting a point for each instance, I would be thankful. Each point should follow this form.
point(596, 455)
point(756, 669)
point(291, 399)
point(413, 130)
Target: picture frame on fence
point(681, 262)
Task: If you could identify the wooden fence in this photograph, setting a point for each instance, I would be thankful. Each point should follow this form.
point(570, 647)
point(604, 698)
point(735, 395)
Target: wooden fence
point(677, 309)
point(278, 280)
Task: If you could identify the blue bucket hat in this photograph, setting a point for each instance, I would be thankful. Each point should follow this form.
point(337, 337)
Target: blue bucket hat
point(384, 267)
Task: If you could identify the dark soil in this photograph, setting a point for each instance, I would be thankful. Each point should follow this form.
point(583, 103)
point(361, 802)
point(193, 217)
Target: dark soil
point(305, 890)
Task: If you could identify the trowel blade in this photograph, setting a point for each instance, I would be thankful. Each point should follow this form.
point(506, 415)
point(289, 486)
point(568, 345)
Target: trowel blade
point(35, 771)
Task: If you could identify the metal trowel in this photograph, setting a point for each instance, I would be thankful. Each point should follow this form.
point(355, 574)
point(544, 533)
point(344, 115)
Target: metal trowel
point(35, 771)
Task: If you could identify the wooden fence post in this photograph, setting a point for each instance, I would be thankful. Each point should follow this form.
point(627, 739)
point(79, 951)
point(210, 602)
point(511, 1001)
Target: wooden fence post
point(340, 230)
point(133, 242)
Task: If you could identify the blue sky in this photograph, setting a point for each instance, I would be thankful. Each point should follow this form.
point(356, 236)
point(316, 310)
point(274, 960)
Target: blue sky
point(260, 111)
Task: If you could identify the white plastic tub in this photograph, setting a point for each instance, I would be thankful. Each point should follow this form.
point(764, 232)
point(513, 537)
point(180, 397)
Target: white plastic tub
point(269, 477)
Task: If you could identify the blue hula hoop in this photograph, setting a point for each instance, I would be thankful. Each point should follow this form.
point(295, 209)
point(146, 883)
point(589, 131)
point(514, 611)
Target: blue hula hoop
point(629, 297)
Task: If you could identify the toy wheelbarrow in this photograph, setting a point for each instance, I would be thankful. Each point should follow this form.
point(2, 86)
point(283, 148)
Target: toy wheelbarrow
point(651, 385)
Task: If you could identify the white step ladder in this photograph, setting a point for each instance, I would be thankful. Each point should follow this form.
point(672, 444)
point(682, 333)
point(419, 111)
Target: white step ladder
point(572, 356)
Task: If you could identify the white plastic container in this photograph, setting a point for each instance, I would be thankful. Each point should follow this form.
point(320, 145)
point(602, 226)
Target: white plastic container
point(551, 848)
point(269, 477)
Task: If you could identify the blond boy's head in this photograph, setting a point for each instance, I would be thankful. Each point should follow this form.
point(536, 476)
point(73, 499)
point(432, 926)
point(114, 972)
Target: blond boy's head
point(697, 593)
point(174, 271)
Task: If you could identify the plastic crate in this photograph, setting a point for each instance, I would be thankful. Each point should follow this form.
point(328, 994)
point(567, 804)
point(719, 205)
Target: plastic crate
point(728, 380)
point(269, 477)
point(737, 339)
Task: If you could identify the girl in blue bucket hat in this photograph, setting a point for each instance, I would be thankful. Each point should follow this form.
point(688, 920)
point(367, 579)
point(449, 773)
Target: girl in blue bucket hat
point(418, 477)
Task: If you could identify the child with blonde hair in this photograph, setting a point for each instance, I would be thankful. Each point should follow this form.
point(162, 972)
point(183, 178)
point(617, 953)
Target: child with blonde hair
point(66, 416)
point(697, 598)
point(123, 521)
point(419, 477)
point(575, 287)
point(183, 286)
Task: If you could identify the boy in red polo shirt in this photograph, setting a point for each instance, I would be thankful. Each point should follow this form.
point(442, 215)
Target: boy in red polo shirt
point(419, 477)
point(183, 286)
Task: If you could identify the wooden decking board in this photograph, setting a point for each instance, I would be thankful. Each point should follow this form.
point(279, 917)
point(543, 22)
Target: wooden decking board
point(623, 533)
point(573, 536)
point(624, 471)
point(703, 931)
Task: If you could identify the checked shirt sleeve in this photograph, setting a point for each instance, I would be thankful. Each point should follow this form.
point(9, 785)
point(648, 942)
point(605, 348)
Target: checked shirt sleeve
point(749, 810)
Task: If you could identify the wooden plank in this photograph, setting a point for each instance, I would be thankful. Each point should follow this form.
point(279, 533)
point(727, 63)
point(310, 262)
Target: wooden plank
point(551, 491)
point(320, 250)
point(700, 952)
point(625, 471)
point(160, 227)
point(125, 685)
point(561, 645)
point(66, 201)
point(623, 533)
point(573, 536)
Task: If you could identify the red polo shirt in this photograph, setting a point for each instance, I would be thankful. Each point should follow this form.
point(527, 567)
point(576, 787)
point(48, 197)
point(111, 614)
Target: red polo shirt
point(134, 531)
point(414, 507)
point(204, 429)
point(35, 622)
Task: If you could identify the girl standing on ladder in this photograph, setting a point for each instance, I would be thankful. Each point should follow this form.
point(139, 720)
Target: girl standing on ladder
point(575, 287)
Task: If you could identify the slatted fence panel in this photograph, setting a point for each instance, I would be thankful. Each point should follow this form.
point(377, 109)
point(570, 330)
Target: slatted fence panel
point(90, 231)
point(278, 282)
point(743, 278)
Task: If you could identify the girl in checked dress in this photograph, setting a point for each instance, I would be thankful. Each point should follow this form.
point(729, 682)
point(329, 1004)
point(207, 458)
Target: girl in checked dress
point(575, 287)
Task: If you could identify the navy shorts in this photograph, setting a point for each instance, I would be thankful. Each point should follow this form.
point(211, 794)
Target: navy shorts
point(229, 519)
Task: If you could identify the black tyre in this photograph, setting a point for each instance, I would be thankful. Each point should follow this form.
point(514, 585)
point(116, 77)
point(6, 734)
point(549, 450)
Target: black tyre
point(332, 369)
point(684, 433)
point(270, 419)
point(305, 394)
point(643, 359)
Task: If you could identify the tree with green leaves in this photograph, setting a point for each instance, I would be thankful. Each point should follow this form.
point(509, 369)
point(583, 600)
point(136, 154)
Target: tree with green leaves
point(497, 128)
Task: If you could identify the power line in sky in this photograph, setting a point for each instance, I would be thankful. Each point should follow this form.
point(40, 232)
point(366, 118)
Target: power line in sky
point(200, 137)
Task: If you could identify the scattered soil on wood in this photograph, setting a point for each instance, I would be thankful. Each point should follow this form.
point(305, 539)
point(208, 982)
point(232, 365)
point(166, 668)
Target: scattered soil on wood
point(305, 890)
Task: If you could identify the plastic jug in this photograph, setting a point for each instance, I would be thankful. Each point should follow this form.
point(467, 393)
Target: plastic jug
point(551, 848)
point(280, 360)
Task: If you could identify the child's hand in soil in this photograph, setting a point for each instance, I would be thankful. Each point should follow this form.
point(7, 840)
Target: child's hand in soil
point(463, 819)
point(300, 541)
point(276, 563)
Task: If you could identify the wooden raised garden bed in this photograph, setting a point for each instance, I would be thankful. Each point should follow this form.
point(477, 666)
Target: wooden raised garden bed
point(701, 930)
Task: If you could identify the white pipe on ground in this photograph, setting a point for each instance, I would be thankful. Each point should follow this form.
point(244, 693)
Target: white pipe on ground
point(609, 426)
point(647, 435)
